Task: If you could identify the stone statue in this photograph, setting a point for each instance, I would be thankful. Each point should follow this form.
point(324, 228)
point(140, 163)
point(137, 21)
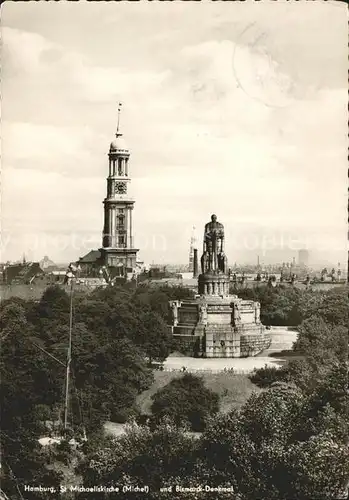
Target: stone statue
point(235, 315)
point(174, 308)
point(203, 314)
point(257, 311)
point(213, 258)
point(204, 261)
point(223, 262)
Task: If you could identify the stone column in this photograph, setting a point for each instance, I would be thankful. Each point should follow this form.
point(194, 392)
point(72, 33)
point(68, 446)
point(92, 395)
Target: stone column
point(130, 229)
point(112, 225)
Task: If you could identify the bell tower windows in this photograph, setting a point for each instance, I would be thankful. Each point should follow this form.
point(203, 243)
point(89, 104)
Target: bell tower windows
point(120, 222)
point(118, 247)
point(120, 161)
point(122, 240)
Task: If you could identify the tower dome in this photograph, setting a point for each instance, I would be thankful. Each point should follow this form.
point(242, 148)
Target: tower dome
point(118, 144)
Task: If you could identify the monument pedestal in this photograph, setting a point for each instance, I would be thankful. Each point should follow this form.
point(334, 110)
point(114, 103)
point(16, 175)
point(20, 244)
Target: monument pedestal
point(219, 327)
point(213, 284)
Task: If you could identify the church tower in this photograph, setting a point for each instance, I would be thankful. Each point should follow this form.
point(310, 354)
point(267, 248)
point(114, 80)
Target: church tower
point(118, 247)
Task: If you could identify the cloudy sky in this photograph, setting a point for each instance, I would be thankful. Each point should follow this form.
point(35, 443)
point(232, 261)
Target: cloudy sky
point(237, 109)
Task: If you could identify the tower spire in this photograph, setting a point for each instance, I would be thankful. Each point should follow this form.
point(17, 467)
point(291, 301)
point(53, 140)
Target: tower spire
point(118, 124)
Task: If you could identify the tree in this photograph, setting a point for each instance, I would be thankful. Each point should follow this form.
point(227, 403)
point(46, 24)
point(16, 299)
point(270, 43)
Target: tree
point(279, 305)
point(153, 336)
point(28, 391)
point(163, 457)
point(263, 449)
point(186, 400)
point(331, 306)
point(317, 468)
point(108, 370)
point(158, 298)
point(110, 377)
point(268, 375)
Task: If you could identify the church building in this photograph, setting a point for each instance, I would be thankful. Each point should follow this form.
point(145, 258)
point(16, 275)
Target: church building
point(117, 256)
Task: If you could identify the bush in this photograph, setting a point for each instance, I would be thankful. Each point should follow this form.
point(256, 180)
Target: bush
point(186, 400)
point(268, 375)
point(124, 415)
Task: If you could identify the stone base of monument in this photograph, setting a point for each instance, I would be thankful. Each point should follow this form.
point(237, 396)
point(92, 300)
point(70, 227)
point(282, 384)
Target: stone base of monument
point(218, 326)
point(213, 284)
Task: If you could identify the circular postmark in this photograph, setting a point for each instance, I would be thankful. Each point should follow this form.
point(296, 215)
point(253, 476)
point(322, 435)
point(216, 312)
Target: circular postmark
point(256, 72)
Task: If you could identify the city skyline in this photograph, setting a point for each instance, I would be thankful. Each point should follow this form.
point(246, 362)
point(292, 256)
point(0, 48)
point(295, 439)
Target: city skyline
point(220, 117)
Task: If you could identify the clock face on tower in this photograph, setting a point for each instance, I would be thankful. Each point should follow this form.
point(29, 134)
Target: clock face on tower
point(120, 188)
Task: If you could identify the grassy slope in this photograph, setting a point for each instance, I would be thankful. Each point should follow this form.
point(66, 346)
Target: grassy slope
point(234, 389)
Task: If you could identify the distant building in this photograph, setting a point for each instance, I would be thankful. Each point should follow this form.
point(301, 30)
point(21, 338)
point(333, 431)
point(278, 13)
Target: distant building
point(23, 273)
point(303, 257)
point(90, 263)
point(46, 263)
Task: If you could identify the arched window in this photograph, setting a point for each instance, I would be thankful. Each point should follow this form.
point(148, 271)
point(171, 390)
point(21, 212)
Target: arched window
point(120, 167)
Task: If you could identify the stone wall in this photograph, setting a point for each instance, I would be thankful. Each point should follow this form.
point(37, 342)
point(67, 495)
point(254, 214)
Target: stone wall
point(189, 345)
point(222, 342)
point(188, 314)
point(252, 344)
point(217, 323)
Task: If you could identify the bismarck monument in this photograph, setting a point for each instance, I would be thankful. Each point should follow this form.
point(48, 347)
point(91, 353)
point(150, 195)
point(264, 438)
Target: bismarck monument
point(216, 324)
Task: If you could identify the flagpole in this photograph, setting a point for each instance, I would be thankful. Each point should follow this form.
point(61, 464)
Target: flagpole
point(66, 404)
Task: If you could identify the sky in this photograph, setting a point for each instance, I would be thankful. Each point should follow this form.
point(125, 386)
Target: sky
point(232, 108)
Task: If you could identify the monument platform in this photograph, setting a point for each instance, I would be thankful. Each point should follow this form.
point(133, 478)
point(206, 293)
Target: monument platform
point(219, 327)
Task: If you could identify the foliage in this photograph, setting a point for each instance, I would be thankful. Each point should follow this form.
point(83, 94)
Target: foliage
point(113, 339)
point(154, 337)
point(186, 399)
point(259, 451)
point(268, 375)
point(331, 306)
point(262, 449)
point(160, 458)
point(157, 298)
point(279, 305)
point(322, 342)
point(289, 440)
point(115, 387)
point(315, 334)
point(289, 306)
